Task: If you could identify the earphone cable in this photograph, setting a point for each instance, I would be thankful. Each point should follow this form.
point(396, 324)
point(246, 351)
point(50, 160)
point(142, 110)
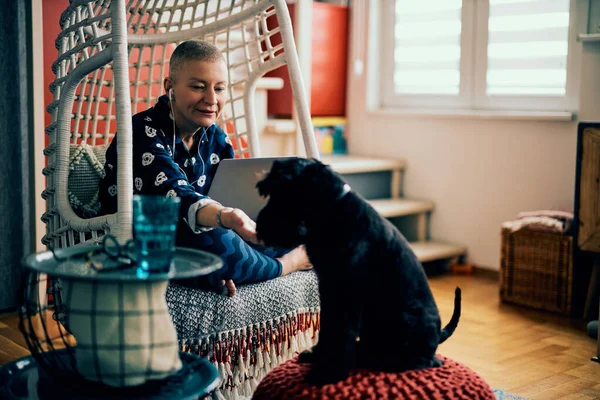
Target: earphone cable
point(199, 143)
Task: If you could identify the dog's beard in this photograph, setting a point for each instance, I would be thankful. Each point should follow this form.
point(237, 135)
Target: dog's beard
point(282, 237)
point(273, 230)
point(286, 241)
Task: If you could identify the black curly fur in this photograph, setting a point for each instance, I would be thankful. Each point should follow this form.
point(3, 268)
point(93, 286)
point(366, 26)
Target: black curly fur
point(377, 310)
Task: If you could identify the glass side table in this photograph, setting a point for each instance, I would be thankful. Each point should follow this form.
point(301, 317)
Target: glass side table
point(57, 366)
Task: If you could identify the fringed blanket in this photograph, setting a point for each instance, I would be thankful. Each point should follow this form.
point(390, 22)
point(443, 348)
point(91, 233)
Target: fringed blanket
point(247, 335)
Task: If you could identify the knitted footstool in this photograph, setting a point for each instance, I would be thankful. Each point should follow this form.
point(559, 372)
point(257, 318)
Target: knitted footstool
point(450, 381)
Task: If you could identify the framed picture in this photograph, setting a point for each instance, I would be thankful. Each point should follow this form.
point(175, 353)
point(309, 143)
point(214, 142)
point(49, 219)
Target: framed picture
point(587, 187)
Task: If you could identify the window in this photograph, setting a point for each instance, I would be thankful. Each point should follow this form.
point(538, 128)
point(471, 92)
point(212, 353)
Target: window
point(478, 54)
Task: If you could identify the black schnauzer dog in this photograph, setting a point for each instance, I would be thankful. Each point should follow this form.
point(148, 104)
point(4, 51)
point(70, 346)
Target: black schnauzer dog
point(377, 310)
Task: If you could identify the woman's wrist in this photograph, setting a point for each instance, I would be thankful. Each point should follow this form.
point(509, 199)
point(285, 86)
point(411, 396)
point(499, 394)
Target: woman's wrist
point(220, 223)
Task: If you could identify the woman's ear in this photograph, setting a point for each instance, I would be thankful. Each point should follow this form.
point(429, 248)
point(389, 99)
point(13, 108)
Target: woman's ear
point(168, 85)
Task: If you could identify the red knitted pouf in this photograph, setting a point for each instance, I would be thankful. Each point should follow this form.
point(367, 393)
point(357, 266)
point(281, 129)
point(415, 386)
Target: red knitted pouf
point(450, 381)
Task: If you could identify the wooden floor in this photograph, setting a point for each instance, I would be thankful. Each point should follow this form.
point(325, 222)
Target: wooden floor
point(533, 354)
point(529, 353)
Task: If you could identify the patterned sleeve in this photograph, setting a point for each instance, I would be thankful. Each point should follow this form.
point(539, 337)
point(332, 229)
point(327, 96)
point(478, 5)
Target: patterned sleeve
point(225, 144)
point(155, 172)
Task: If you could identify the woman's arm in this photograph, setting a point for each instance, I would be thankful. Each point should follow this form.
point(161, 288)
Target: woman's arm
point(216, 215)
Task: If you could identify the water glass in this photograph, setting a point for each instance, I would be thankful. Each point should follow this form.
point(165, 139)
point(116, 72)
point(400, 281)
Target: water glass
point(154, 229)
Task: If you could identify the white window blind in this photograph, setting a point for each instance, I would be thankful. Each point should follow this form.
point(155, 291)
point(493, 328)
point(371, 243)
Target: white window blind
point(527, 47)
point(479, 54)
point(427, 51)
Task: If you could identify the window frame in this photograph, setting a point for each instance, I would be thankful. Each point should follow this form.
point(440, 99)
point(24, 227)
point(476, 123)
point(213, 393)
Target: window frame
point(473, 66)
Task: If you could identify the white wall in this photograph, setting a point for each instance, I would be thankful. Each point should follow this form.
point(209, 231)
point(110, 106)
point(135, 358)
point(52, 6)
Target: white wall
point(38, 120)
point(479, 172)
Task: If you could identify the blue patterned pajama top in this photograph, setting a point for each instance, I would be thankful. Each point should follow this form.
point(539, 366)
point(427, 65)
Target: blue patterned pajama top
point(163, 165)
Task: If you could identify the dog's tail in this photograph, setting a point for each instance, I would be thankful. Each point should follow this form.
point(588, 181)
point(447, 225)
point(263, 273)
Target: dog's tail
point(449, 329)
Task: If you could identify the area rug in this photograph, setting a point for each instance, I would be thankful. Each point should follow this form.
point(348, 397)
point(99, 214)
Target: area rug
point(502, 395)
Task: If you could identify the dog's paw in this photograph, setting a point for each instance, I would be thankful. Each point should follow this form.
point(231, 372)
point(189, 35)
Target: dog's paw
point(306, 357)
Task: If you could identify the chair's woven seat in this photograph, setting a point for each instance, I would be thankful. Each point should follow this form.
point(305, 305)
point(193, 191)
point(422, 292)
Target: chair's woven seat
point(198, 313)
point(246, 335)
point(450, 381)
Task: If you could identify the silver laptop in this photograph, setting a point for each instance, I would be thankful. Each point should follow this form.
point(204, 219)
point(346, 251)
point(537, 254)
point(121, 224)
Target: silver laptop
point(234, 184)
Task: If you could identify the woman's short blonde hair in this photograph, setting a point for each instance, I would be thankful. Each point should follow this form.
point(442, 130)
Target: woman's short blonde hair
point(192, 50)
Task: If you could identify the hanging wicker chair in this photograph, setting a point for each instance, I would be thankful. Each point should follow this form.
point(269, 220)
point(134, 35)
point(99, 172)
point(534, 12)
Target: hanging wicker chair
point(113, 57)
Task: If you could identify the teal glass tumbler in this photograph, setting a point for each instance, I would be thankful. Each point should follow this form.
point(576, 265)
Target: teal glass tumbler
point(154, 230)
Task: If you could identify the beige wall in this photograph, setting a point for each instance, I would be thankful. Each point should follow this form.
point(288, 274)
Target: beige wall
point(478, 172)
point(38, 120)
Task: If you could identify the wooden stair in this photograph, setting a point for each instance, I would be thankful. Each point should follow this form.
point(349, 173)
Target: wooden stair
point(431, 250)
point(400, 207)
point(380, 181)
point(343, 164)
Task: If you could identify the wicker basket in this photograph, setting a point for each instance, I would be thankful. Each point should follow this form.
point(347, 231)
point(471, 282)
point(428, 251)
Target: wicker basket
point(536, 269)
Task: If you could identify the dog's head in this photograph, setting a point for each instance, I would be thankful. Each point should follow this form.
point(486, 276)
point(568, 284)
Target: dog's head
point(299, 190)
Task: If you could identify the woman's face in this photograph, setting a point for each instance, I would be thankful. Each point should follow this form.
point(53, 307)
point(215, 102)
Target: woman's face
point(199, 94)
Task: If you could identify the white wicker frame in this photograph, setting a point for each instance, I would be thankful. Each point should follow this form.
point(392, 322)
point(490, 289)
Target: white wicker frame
point(104, 43)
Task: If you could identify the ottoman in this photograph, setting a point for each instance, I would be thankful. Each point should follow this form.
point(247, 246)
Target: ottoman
point(450, 381)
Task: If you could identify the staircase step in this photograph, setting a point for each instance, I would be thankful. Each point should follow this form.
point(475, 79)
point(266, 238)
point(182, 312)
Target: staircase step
point(280, 126)
point(346, 164)
point(431, 250)
point(389, 208)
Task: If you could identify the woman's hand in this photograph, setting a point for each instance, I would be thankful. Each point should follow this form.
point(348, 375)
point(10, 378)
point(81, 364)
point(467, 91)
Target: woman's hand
point(240, 222)
point(216, 215)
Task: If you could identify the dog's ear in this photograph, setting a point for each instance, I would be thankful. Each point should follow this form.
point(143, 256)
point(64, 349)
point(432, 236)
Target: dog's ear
point(285, 171)
point(272, 178)
point(321, 175)
point(264, 186)
point(316, 170)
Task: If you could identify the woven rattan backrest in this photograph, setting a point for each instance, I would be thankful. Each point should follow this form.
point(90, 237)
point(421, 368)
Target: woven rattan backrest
point(85, 107)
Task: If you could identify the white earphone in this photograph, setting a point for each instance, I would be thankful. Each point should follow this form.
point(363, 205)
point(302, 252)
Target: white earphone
point(171, 100)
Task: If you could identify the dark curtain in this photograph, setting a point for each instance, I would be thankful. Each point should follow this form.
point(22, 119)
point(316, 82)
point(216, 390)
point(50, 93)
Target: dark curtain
point(17, 210)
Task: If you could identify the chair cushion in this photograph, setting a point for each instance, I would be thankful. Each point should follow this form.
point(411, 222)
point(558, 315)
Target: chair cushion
point(246, 335)
point(450, 381)
point(86, 168)
point(198, 313)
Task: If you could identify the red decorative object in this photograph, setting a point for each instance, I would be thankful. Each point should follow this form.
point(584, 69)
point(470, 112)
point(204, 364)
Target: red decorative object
point(450, 381)
point(329, 59)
